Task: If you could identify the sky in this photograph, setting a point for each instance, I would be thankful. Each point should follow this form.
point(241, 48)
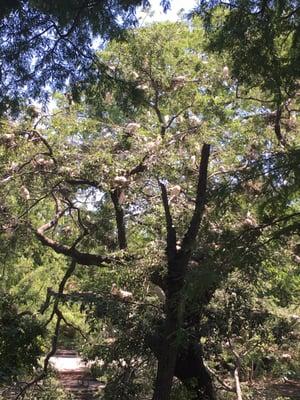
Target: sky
point(171, 15)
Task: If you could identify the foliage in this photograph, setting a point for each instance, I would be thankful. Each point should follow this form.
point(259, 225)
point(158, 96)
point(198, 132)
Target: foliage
point(20, 340)
point(261, 39)
point(43, 42)
point(50, 390)
point(84, 183)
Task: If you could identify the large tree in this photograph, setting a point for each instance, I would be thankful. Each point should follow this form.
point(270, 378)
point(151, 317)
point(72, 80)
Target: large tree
point(118, 183)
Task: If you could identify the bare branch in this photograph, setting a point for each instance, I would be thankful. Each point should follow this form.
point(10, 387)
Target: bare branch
point(119, 213)
point(171, 232)
point(237, 384)
point(193, 228)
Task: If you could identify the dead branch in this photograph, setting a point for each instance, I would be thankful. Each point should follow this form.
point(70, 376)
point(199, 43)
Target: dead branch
point(237, 384)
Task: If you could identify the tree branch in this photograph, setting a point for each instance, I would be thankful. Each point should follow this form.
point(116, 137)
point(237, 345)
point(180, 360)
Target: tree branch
point(61, 287)
point(51, 353)
point(80, 257)
point(277, 127)
point(171, 232)
point(119, 213)
point(193, 228)
point(238, 96)
point(222, 383)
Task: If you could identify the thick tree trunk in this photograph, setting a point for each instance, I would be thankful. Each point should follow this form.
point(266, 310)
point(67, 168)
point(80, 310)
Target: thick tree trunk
point(165, 373)
point(190, 369)
point(174, 318)
point(178, 259)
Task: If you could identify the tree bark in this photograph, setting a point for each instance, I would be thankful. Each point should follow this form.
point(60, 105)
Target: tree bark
point(277, 127)
point(173, 323)
point(122, 241)
point(237, 384)
point(189, 368)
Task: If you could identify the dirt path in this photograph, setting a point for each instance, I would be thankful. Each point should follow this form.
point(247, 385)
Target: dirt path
point(75, 375)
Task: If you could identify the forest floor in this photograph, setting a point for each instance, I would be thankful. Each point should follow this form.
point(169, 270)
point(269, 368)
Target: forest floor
point(288, 389)
point(273, 390)
point(74, 375)
point(76, 379)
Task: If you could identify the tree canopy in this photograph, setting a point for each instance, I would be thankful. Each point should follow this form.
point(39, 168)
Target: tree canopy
point(152, 221)
point(262, 41)
point(45, 44)
point(150, 216)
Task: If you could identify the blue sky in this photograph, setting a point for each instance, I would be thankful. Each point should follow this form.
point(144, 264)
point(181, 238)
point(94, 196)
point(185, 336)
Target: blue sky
point(171, 15)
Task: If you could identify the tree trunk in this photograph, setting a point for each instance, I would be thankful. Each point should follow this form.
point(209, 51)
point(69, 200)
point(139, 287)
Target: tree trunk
point(178, 259)
point(165, 372)
point(174, 318)
point(190, 369)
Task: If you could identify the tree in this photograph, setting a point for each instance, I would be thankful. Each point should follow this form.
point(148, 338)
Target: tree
point(93, 184)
